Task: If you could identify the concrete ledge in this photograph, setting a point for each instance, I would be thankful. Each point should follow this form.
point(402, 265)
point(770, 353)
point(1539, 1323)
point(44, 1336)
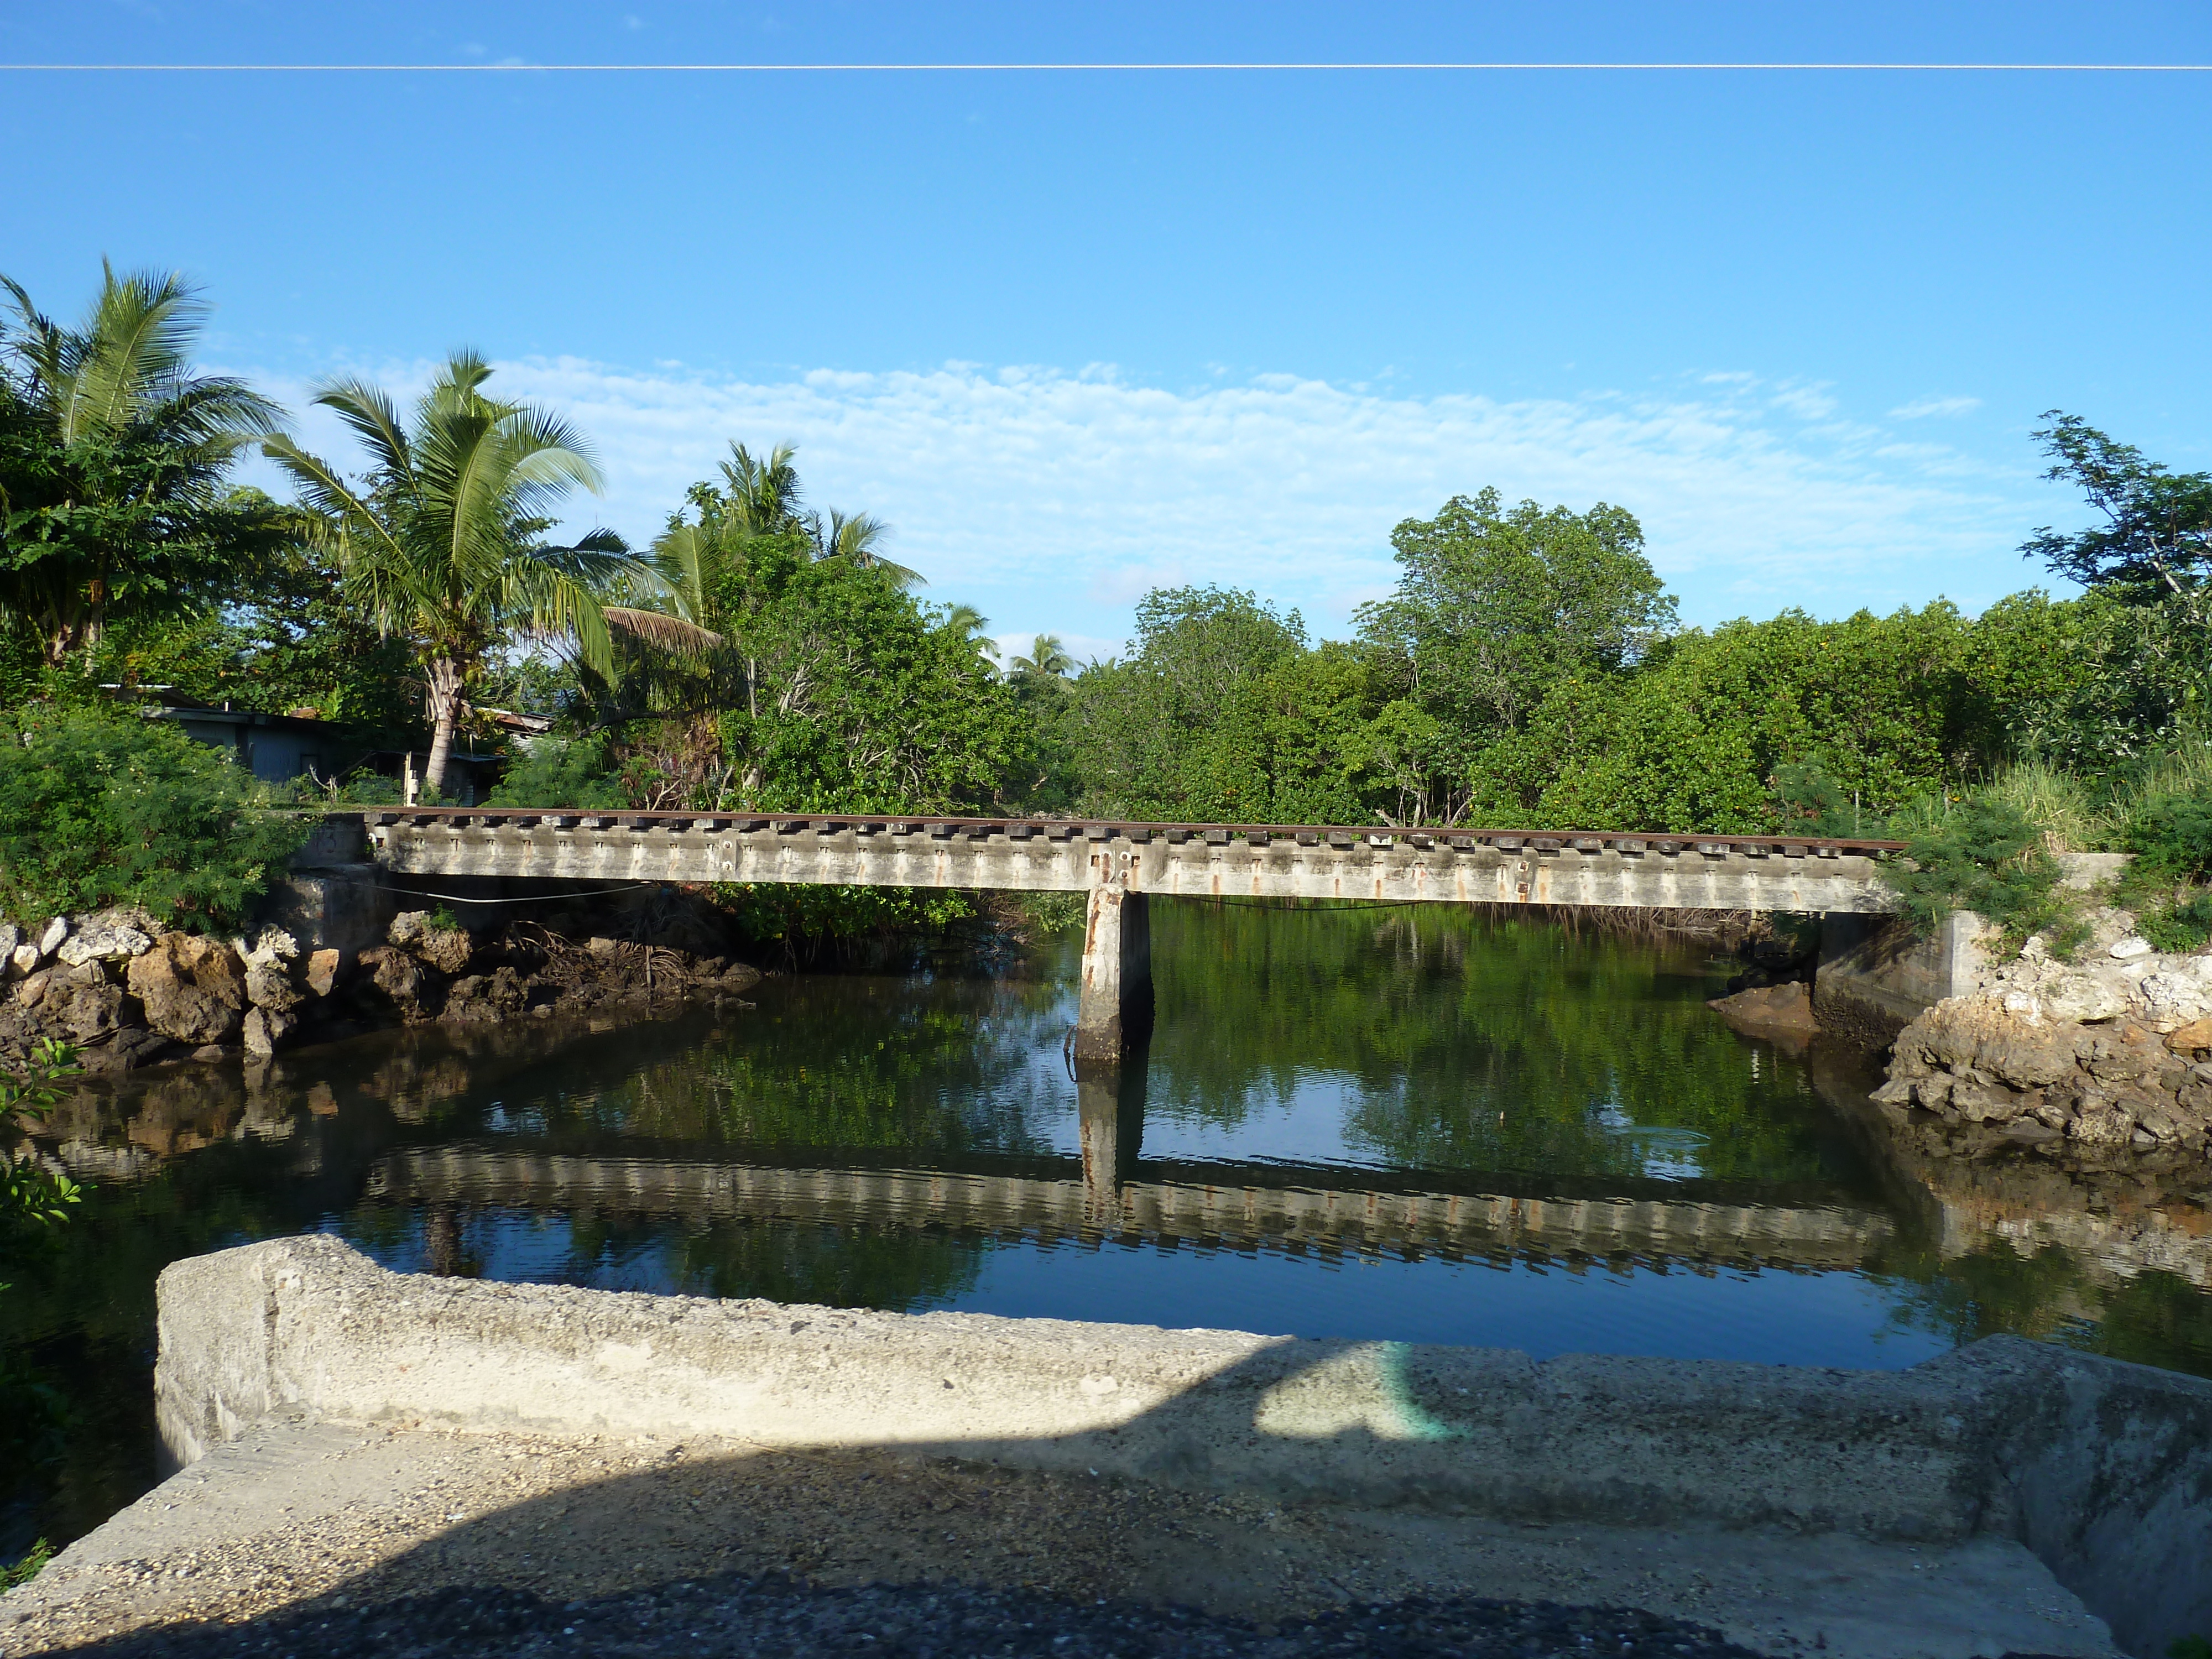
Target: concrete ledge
point(2103, 1469)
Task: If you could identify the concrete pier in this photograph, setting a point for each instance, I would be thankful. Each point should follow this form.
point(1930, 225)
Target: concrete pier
point(1114, 1013)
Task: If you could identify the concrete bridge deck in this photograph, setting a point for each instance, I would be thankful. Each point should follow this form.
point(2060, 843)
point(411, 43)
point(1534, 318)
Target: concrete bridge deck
point(1309, 861)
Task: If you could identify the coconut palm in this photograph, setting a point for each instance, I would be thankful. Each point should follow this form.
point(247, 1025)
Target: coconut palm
point(1047, 658)
point(113, 489)
point(966, 622)
point(440, 541)
point(859, 537)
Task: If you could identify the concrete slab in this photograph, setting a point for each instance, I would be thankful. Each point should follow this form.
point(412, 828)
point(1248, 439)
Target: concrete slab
point(299, 1514)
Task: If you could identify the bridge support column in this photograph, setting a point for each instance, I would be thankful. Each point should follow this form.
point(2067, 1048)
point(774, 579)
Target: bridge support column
point(1114, 1012)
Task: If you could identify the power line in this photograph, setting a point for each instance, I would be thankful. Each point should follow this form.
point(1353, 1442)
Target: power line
point(1104, 68)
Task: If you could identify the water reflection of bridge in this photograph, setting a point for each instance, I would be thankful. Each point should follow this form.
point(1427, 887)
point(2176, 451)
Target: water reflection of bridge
point(1111, 1194)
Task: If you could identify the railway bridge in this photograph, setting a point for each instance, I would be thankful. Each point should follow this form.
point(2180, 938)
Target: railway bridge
point(1121, 866)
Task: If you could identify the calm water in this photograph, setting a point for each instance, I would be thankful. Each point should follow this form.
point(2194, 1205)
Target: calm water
point(1410, 1123)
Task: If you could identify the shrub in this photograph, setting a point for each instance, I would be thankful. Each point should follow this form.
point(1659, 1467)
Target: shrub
point(99, 806)
point(2171, 835)
point(554, 772)
point(1985, 855)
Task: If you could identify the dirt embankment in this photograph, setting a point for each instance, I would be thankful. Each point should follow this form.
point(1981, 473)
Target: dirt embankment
point(125, 993)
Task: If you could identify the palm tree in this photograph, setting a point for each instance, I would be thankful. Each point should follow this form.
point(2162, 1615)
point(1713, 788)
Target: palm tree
point(112, 491)
point(441, 544)
point(965, 621)
point(1047, 659)
point(859, 537)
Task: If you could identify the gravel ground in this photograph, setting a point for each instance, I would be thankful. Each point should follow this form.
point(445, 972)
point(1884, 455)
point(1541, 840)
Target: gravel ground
point(746, 1618)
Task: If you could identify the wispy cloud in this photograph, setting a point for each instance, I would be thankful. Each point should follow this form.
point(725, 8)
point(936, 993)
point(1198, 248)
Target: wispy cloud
point(1921, 409)
point(1052, 500)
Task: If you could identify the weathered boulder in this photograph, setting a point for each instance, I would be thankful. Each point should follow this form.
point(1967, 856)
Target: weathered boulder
point(445, 949)
point(193, 988)
point(267, 1028)
point(23, 959)
point(1784, 1012)
point(483, 998)
point(396, 978)
point(51, 937)
point(270, 961)
point(325, 972)
point(85, 1012)
point(97, 941)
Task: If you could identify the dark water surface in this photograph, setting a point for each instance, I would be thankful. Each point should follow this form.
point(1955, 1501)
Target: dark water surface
point(1416, 1123)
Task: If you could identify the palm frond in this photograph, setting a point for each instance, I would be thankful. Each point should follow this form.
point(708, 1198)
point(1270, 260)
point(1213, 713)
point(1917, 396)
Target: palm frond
point(662, 632)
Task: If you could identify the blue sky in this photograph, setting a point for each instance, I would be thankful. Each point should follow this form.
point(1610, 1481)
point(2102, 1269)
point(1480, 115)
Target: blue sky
point(1074, 334)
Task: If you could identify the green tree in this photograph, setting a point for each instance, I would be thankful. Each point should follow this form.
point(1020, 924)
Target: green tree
point(860, 701)
point(2155, 543)
point(114, 458)
point(1494, 605)
point(289, 642)
point(442, 543)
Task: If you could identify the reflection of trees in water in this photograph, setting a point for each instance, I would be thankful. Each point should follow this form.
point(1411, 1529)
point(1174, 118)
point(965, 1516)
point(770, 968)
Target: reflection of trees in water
point(2050, 1294)
point(900, 1269)
point(1470, 1041)
point(947, 1066)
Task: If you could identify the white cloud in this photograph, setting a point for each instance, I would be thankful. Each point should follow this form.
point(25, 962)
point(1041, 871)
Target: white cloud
point(1051, 500)
point(1921, 408)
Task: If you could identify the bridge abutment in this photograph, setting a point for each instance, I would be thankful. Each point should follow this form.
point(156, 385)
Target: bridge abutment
point(1114, 1014)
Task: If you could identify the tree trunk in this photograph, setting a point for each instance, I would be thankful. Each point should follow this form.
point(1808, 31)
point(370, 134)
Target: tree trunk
point(445, 701)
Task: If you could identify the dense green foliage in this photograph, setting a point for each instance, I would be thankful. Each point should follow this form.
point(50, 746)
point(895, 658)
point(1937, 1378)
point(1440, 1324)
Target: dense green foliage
point(98, 807)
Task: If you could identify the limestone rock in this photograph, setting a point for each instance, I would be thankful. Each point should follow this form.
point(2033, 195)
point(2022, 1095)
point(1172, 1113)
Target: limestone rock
point(50, 939)
point(23, 959)
point(267, 1028)
point(103, 942)
point(445, 949)
point(86, 1012)
point(270, 961)
point(397, 977)
point(193, 988)
point(2127, 948)
point(32, 990)
point(135, 918)
point(1774, 1011)
point(2194, 1038)
point(484, 998)
point(324, 970)
point(10, 936)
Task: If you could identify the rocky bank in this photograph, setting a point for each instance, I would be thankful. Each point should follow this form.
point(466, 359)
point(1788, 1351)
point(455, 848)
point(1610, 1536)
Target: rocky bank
point(2106, 1056)
point(124, 993)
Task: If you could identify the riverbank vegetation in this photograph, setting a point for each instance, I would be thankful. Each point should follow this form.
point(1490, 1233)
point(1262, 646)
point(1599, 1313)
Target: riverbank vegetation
point(1529, 669)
